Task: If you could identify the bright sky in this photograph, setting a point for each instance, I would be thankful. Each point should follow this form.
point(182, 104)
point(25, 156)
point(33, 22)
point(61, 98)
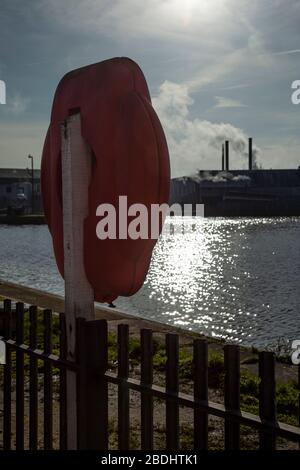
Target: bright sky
point(216, 69)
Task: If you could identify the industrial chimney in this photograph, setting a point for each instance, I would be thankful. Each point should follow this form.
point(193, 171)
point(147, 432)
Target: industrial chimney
point(250, 154)
point(223, 158)
point(227, 154)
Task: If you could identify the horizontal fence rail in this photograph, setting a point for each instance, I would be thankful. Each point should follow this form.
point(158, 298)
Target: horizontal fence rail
point(34, 388)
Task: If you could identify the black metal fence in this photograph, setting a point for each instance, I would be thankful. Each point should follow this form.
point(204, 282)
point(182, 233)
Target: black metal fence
point(34, 377)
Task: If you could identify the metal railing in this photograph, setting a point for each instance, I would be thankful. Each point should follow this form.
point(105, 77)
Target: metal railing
point(35, 366)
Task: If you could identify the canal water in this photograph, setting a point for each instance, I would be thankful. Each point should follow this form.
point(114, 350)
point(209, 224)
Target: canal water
point(236, 279)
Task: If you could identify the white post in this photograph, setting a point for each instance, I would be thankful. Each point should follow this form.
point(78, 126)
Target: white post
point(79, 295)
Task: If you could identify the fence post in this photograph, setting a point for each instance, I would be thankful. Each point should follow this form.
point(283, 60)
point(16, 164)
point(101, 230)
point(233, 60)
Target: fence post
point(172, 385)
point(48, 392)
point(123, 391)
point(146, 397)
point(20, 377)
point(63, 428)
point(33, 382)
point(200, 393)
point(232, 395)
point(267, 398)
point(299, 399)
point(7, 379)
point(92, 388)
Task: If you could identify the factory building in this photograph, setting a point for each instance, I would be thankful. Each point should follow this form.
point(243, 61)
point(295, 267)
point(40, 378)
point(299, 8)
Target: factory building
point(16, 191)
point(231, 193)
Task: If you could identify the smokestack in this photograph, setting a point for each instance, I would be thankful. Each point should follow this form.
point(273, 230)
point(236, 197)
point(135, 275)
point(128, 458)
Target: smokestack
point(227, 154)
point(250, 154)
point(223, 158)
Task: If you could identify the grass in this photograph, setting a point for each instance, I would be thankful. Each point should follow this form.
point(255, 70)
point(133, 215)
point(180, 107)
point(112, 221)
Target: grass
point(286, 393)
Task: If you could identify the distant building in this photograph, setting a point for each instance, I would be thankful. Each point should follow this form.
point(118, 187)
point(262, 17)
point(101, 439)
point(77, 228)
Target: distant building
point(16, 191)
point(241, 192)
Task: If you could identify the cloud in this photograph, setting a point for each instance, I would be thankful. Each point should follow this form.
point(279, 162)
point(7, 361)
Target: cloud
point(168, 18)
point(17, 104)
point(236, 87)
point(2, 92)
point(194, 143)
point(283, 152)
point(292, 51)
point(223, 102)
point(206, 34)
point(203, 45)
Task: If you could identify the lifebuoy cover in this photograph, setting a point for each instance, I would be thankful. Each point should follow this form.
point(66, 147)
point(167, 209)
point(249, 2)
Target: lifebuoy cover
point(130, 158)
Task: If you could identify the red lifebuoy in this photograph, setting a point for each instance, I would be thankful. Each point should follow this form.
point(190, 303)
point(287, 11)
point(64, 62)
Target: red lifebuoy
point(130, 158)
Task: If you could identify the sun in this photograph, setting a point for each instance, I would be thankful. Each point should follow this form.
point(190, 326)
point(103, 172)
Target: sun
point(186, 10)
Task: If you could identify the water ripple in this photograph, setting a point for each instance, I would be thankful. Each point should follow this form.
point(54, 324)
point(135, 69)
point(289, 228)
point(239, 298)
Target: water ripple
point(235, 279)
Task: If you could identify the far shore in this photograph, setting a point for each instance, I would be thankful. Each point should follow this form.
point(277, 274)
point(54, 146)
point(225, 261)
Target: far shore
point(31, 219)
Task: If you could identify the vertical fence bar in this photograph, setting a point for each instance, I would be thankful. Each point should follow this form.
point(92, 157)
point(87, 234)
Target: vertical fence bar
point(48, 398)
point(299, 399)
point(267, 398)
point(172, 386)
point(19, 377)
point(146, 397)
point(62, 385)
point(92, 391)
point(200, 393)
point(123, 391)
point(232, 395)
point(33, 381)
point(7, 379)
